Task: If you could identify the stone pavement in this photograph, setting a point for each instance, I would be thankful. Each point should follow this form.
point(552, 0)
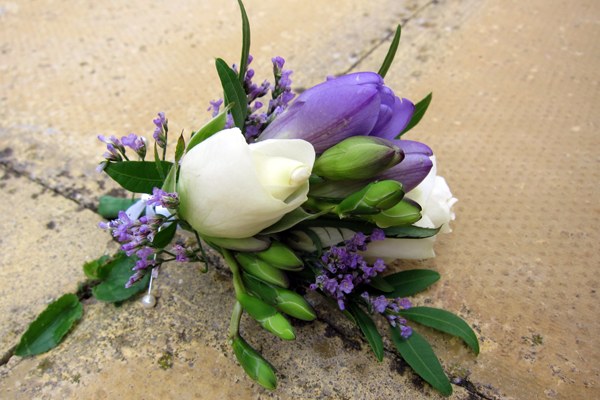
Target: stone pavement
point(514, 124)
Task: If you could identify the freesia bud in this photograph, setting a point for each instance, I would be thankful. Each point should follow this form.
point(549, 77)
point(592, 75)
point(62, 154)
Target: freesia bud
point(267, 316)
point(406, 212)
point(282, 257)
point(358, 157)
point(262, 269)
point(254, 364)
point(372, 199)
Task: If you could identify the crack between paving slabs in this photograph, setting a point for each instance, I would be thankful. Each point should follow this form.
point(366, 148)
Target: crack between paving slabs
point(389, 37)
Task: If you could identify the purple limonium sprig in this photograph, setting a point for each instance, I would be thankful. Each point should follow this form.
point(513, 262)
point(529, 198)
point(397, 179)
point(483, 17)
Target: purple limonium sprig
point(115, 153)
point(390, 308)
point(137, 144)
point(282, 91)
point(164, 199)
point(183, 254)
point(341, 270)
point(162, 129)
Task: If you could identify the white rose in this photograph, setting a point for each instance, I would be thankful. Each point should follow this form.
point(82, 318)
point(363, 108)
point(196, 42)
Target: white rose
point(436, 201)
point(230, 189)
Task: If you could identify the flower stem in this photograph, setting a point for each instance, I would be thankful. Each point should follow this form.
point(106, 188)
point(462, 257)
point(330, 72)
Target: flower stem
point(238, 285)
point(234, 327)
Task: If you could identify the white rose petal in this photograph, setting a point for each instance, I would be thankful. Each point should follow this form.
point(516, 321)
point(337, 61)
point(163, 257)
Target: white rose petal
point(230, 189)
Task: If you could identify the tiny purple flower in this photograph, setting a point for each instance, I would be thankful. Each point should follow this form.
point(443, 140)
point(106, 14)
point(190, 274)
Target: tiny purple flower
point(405, 303)
point(377, 234)
point(406, 331)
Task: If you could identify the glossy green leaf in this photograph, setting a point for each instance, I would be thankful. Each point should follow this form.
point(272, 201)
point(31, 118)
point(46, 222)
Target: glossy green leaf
point(165, 235)
point(113, 288)
point(418, 354)
point(368, 328)
point(50, 326)
point(96, 269)
point(420, 109)
point(444, 321)
point(137, 176)
point(179, 149)
point(389, 58)
point(254, 364)
point(234, 93)
point(109, 206)
point(291, 219)
point(409, 282)
point(379, 283)
point(213, 126)
point(245, 43)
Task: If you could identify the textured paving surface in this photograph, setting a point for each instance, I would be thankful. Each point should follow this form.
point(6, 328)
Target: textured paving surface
point(514, 124)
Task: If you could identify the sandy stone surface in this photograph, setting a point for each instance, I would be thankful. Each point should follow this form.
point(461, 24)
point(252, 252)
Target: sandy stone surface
point(514, 125)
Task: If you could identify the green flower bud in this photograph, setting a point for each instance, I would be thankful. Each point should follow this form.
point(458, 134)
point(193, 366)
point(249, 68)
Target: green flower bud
point(267, 316)
point(294, 305)
point(285, 300)
point(372, 199)
point(282, 257)
point(254, 364)
point(358, 157)
point(407, 212)
point(262, 269)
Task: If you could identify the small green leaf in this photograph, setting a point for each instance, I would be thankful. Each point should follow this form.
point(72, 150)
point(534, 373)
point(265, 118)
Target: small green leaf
point(368, 328)
point(110, 206)
point(179, 149)
point(245, 43)
point(410, 282)
point(50, 326)
point(159, 166)
point(213, 126)
point(291, 219)
point(389, 58)
point(381, 284)
point(95, 269)
point(418, 354)
point(234, 93)
point(444, 321)
point(165, 235)
point(137, 176)
point(113, 288)
point(420, 109)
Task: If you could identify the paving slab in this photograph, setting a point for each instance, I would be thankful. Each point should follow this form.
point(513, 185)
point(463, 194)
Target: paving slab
point(512, 123)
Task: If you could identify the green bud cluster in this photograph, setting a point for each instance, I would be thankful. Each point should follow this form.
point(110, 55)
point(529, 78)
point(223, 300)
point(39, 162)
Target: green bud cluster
point(372, 199)
point(358, 157)
point(262, 269)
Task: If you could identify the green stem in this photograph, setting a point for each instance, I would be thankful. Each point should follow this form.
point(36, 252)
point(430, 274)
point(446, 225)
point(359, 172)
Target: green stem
point(234, 327)
point(238, 285)
point(165, 148)
point(202, 251)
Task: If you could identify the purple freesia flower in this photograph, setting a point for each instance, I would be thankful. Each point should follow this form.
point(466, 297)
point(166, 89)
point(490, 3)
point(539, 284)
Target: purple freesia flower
point(351, 105)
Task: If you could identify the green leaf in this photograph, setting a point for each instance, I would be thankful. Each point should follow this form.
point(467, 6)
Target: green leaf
point(368, 328)
point(113, 288)
point(291, 219)
point(315, 239)
point(381, 284)
point(420, 109)
point(234, 93)
point(170, 183)
point(389, 58)
point(165, 235)
point(410, 282)
point(110, 206)
point(159, 166)
point(418, 354)
point(444, 321)
point(95, 269)
point(245, 43)
point(137, 176)
point(50, 326)
point(180, 148)
point(213, 126)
